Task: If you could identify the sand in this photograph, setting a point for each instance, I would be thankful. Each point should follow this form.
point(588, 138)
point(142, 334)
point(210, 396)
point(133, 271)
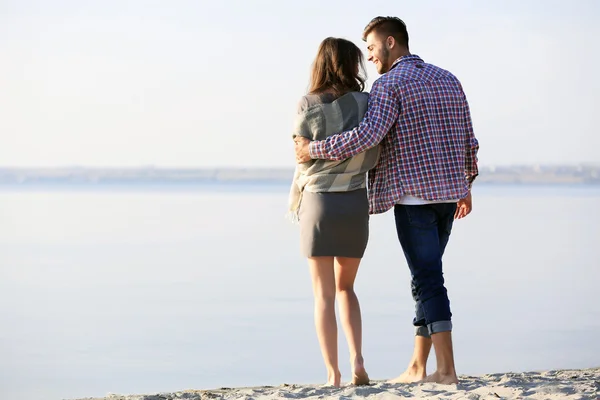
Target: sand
point(553, 385)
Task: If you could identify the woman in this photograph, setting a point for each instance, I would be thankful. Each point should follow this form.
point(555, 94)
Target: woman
point(330, 200)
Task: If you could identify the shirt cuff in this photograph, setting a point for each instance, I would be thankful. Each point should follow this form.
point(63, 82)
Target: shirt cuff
point(471, 180)
point(316, 150)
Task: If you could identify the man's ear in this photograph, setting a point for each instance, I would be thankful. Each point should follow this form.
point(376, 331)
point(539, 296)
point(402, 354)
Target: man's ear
point(390, 42)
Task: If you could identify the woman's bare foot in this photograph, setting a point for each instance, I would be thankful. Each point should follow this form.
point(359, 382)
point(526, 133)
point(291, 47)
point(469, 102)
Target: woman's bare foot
point(359, 373)
point(443, 379)
point(411, 375)
point(334, 379)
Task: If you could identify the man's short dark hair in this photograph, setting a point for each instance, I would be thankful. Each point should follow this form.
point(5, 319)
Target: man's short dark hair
point(388, 26)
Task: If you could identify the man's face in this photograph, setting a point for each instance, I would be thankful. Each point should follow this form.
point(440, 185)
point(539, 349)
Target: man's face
point(378, 52)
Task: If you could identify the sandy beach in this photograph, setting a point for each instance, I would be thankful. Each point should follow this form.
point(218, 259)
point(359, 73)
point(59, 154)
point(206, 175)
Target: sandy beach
point(552, 385)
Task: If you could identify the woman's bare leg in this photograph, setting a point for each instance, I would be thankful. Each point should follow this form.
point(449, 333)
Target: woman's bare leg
point(345, 274)
point(323, 280)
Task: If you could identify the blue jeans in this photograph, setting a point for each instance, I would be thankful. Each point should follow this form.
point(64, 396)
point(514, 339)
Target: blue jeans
point(423, 231)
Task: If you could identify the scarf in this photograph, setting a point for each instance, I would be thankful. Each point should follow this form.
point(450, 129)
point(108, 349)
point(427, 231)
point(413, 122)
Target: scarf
point(318, 122)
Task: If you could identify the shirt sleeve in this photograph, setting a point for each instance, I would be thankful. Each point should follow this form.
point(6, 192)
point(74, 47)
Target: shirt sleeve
point(301, 107)
point(471, 148)
point(383, 110)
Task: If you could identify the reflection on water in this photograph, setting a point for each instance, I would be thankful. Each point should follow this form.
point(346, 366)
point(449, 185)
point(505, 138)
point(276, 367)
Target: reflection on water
point(137, 291)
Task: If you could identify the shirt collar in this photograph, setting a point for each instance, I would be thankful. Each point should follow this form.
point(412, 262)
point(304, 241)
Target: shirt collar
point(406, 58)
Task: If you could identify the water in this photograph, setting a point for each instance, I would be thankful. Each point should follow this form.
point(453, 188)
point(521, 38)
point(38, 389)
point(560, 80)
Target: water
point(159, 289)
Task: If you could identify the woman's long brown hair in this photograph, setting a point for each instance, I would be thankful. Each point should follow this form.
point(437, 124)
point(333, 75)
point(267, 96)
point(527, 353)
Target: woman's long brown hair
point(338, 68)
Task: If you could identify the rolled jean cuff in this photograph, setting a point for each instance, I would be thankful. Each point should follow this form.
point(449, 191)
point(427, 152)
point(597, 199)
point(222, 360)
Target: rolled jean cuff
point(439, 326)
point(422, 331)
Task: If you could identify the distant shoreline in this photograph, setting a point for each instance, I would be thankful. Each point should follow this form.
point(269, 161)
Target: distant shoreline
point(527, 174)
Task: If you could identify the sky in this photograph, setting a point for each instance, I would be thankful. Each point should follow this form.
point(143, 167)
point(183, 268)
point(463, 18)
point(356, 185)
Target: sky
point(193, 83)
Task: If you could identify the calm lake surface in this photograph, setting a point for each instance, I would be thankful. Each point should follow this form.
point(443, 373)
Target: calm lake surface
point(141, 290)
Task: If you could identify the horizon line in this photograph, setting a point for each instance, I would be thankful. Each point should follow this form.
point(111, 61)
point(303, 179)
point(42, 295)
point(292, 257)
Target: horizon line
point(153, 166)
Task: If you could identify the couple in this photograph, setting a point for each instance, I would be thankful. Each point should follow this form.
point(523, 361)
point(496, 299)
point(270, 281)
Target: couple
point(413, 136)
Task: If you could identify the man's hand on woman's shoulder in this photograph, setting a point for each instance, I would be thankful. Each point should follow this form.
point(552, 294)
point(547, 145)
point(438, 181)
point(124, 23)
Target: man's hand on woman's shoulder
point(301, 149)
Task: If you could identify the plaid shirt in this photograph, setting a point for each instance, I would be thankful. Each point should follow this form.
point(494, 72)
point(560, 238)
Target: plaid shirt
point(420, 115)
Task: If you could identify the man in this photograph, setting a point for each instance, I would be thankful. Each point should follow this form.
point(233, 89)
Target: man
point(420, 115)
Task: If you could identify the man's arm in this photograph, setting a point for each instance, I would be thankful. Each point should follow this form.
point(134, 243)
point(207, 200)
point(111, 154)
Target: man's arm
point(471, 148)
point(465, 206)
point(382, 112)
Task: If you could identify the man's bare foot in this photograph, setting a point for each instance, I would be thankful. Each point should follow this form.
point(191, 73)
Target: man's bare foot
point(411, 375)
point(443, 379)
point(359, 373)
point(334, 379)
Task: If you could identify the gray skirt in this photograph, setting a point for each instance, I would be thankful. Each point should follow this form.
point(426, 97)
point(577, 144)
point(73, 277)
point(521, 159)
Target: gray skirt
point(334, 224)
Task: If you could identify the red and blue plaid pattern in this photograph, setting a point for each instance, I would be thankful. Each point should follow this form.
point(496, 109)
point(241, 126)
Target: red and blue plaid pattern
point(420, 115)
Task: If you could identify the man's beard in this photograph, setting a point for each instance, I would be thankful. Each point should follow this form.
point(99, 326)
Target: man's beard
point(384, 60)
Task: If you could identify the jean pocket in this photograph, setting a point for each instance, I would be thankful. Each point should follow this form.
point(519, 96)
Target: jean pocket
point(420, 216)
